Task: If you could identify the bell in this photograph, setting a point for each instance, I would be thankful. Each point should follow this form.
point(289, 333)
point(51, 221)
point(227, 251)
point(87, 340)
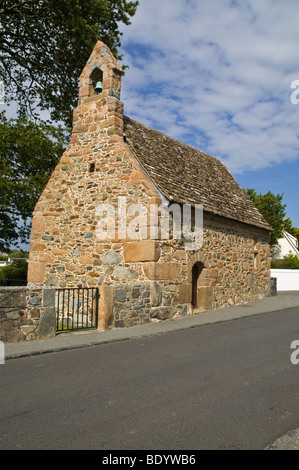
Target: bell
point(99, 87)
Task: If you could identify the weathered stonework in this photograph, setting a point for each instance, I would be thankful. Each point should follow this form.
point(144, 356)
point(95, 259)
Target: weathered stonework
point(139, 280)
point(27, 313)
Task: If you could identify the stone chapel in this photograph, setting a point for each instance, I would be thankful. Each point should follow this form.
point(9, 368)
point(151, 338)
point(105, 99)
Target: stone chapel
point(114, 162)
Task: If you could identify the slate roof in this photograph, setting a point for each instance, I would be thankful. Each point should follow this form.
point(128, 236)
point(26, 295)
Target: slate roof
point(184, 174)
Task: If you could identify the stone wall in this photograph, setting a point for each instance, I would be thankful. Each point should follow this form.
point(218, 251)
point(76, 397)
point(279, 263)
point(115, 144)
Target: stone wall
point(137, 303)
point(236, 270)
point(27, 313)
point(238, 260)
point(96, 168)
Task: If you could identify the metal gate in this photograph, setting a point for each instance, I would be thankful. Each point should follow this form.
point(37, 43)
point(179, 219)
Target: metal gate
point(77, 308)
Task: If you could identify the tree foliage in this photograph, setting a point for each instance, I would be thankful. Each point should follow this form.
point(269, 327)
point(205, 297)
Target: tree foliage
point(17, 271)
point(288, 227)
point(45, 44)
point(44, 47)
point(287, 262)
point(272, 209)
point(28, 155)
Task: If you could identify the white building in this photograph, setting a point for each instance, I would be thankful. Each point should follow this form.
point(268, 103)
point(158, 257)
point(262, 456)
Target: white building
point(288, 245)
point(7, 262)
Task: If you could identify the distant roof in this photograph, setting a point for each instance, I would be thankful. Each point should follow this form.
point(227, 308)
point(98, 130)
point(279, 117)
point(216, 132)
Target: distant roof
point(184, 174)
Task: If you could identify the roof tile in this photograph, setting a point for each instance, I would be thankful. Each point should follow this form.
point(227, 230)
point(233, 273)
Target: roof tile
point(184, 174)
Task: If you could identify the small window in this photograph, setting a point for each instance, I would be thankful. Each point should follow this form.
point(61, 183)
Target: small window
point(92, 167)
point(255, 256)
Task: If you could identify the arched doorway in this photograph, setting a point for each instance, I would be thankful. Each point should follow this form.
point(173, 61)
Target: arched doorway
point(198, 277)
point(197, 270)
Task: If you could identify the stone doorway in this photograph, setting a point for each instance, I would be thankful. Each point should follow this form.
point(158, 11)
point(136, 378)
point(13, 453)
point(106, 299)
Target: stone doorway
point(202, 293)
point(196, 272)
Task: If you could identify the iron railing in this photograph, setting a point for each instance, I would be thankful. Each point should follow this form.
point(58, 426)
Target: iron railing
point(77, 308)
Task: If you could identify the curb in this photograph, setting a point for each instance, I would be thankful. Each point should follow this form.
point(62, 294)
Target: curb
point(289, 441)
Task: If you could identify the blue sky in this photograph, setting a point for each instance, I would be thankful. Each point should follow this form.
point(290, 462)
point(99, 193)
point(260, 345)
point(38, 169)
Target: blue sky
point(217, 75)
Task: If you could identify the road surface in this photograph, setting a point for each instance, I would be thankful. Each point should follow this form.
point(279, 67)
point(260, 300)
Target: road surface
point(228, 385)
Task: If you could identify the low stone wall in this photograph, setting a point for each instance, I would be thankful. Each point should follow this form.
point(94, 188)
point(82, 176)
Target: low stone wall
point(27, 313)
point(130, 304)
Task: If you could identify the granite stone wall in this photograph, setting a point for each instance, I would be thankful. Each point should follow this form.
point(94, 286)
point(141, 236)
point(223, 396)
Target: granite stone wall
point(235, 261)
point(138, 303)
point(27, 313)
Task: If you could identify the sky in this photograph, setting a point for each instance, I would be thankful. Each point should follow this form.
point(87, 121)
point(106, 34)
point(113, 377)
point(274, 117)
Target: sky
point(217, 74)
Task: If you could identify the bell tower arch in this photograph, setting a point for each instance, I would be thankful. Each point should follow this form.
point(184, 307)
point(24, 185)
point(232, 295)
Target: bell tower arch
point(100, 76)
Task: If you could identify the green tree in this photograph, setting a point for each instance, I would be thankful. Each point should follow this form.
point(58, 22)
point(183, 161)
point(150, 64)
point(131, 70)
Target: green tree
point(45, 44)
point(17, 271)
point(288, 227)
point(28, 155)
point(272, 209)
point(295, 232)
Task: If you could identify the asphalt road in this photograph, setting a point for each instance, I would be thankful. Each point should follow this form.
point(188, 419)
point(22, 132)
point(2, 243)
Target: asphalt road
point(228, 385)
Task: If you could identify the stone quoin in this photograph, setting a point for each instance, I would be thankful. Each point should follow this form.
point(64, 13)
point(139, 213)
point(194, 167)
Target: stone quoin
point(111, 156)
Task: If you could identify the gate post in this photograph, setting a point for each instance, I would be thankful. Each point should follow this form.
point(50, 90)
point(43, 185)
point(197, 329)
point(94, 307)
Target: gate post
point(47, 325)
point(106, 302)
point(273, 286)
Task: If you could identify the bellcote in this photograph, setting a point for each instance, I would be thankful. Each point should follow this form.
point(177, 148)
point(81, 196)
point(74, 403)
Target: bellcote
point(101, 70)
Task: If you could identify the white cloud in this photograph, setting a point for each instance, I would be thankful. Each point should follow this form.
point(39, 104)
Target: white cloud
point(217, 75)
